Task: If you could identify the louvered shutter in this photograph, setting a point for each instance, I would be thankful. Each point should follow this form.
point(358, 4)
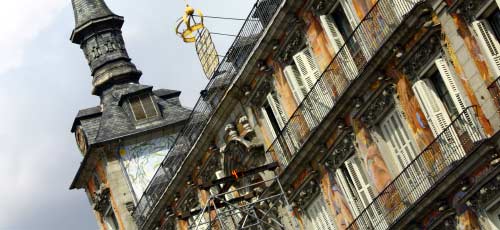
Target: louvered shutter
point(307, 67)
point(398, 139)
point(319, 215)
point(489, 44)
point(438, 118)
point(403, 149)
point(363, 188)
point(278, 112)
point(290, 138)
point(277, 148)
point(453, 85)
point(297, 84)
point(402, 7)
point(350, 13)
point(433, 107)
point(365, 191)
point(347, 62)
point(348, 190)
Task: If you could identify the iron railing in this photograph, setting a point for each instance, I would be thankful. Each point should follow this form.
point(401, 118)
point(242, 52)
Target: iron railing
point(449, 148)
point(364, 42)
point(494, 89)
point(261, 14)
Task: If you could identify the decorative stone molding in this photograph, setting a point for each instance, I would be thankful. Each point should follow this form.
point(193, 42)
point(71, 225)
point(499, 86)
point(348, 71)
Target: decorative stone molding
point(378, 108)
point(211, 165)
point(101, 199)
point(467, 8)
point(306, 192)
point(341, 152)
point(189, 202)
point(294, 42)
point(420, 56)
point(263, 87)
point(130, 207)
point(242, 150)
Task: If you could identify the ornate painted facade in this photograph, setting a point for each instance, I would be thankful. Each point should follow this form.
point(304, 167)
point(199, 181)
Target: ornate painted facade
point(342, 114)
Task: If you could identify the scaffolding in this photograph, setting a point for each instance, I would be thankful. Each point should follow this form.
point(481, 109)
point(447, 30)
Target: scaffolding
point(251, 206)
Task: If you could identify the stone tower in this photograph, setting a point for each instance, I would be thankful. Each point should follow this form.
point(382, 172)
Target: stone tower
point(125, 138)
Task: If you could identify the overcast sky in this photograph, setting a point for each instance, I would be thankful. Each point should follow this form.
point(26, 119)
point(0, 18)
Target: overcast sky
point(45, 80)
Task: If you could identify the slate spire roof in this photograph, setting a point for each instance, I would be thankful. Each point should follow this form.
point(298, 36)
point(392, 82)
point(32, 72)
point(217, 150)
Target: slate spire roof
point(88, 10)
point(116, 82)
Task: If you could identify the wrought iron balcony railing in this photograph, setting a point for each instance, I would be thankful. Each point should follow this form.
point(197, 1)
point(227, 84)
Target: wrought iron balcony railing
point(494, 89)
point(451, 147)
point(261, 14)
point(365, 41)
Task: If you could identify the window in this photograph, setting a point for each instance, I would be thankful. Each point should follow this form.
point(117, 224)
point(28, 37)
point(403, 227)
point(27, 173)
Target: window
point(487, 32)
point(443, 93)
point(353, 181)
point(440, 95)
point(110, 219)
point(96, 179)
point(396, 135)
point(143, 107)
point(319, 216)
point(494, 21)
point(271, 120)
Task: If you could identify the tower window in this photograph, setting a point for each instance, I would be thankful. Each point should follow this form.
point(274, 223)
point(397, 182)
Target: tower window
point(143, 107)
point(110, 219)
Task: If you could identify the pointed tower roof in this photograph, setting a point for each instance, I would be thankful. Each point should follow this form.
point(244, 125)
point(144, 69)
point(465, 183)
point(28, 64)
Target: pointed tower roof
point(98, 32)
point(92, 14)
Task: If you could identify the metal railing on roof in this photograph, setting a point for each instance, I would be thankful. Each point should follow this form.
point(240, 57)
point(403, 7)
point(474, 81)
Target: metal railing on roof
point(261, 14)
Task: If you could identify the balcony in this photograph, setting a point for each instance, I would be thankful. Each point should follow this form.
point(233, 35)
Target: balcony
point(494, 89)
point(350, 67)
point(252, 30)
point(431, 166)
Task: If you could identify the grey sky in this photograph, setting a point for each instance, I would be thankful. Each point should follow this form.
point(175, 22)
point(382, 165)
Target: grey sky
point(45, 80)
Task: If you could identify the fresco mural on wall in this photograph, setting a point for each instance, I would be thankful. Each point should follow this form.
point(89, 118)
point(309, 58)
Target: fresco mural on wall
point(335, 199)
point(362, 7)
point(466, 218)
point(141, 161)
point(374, 163)
point(452, 56)
point(409, 105)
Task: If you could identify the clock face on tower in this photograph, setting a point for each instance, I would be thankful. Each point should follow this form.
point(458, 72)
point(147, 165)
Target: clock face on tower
point(81, 140)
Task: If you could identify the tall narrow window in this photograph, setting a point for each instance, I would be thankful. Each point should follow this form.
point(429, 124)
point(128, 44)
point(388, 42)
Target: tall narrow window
point(110, 219)
point(143, 107)
point(319, 216)
point(488, 34)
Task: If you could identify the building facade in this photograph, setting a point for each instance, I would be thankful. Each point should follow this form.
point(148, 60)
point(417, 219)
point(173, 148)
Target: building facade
point(340, 114)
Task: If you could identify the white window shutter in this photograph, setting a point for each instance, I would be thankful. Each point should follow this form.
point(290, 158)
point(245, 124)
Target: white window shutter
point(319, 216)
point(398, 139)
point(296, 83)
point(307, 67)
point(364, 189)
point(349, 11)
point(348, 190)
point(279, 115)
point(346, 61)
point(310, 74)
point(453, 85)
point(433, 107)
point(332, 32)
point(489, 44)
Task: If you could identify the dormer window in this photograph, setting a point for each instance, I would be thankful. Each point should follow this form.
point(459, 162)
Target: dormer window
point(143, 107)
